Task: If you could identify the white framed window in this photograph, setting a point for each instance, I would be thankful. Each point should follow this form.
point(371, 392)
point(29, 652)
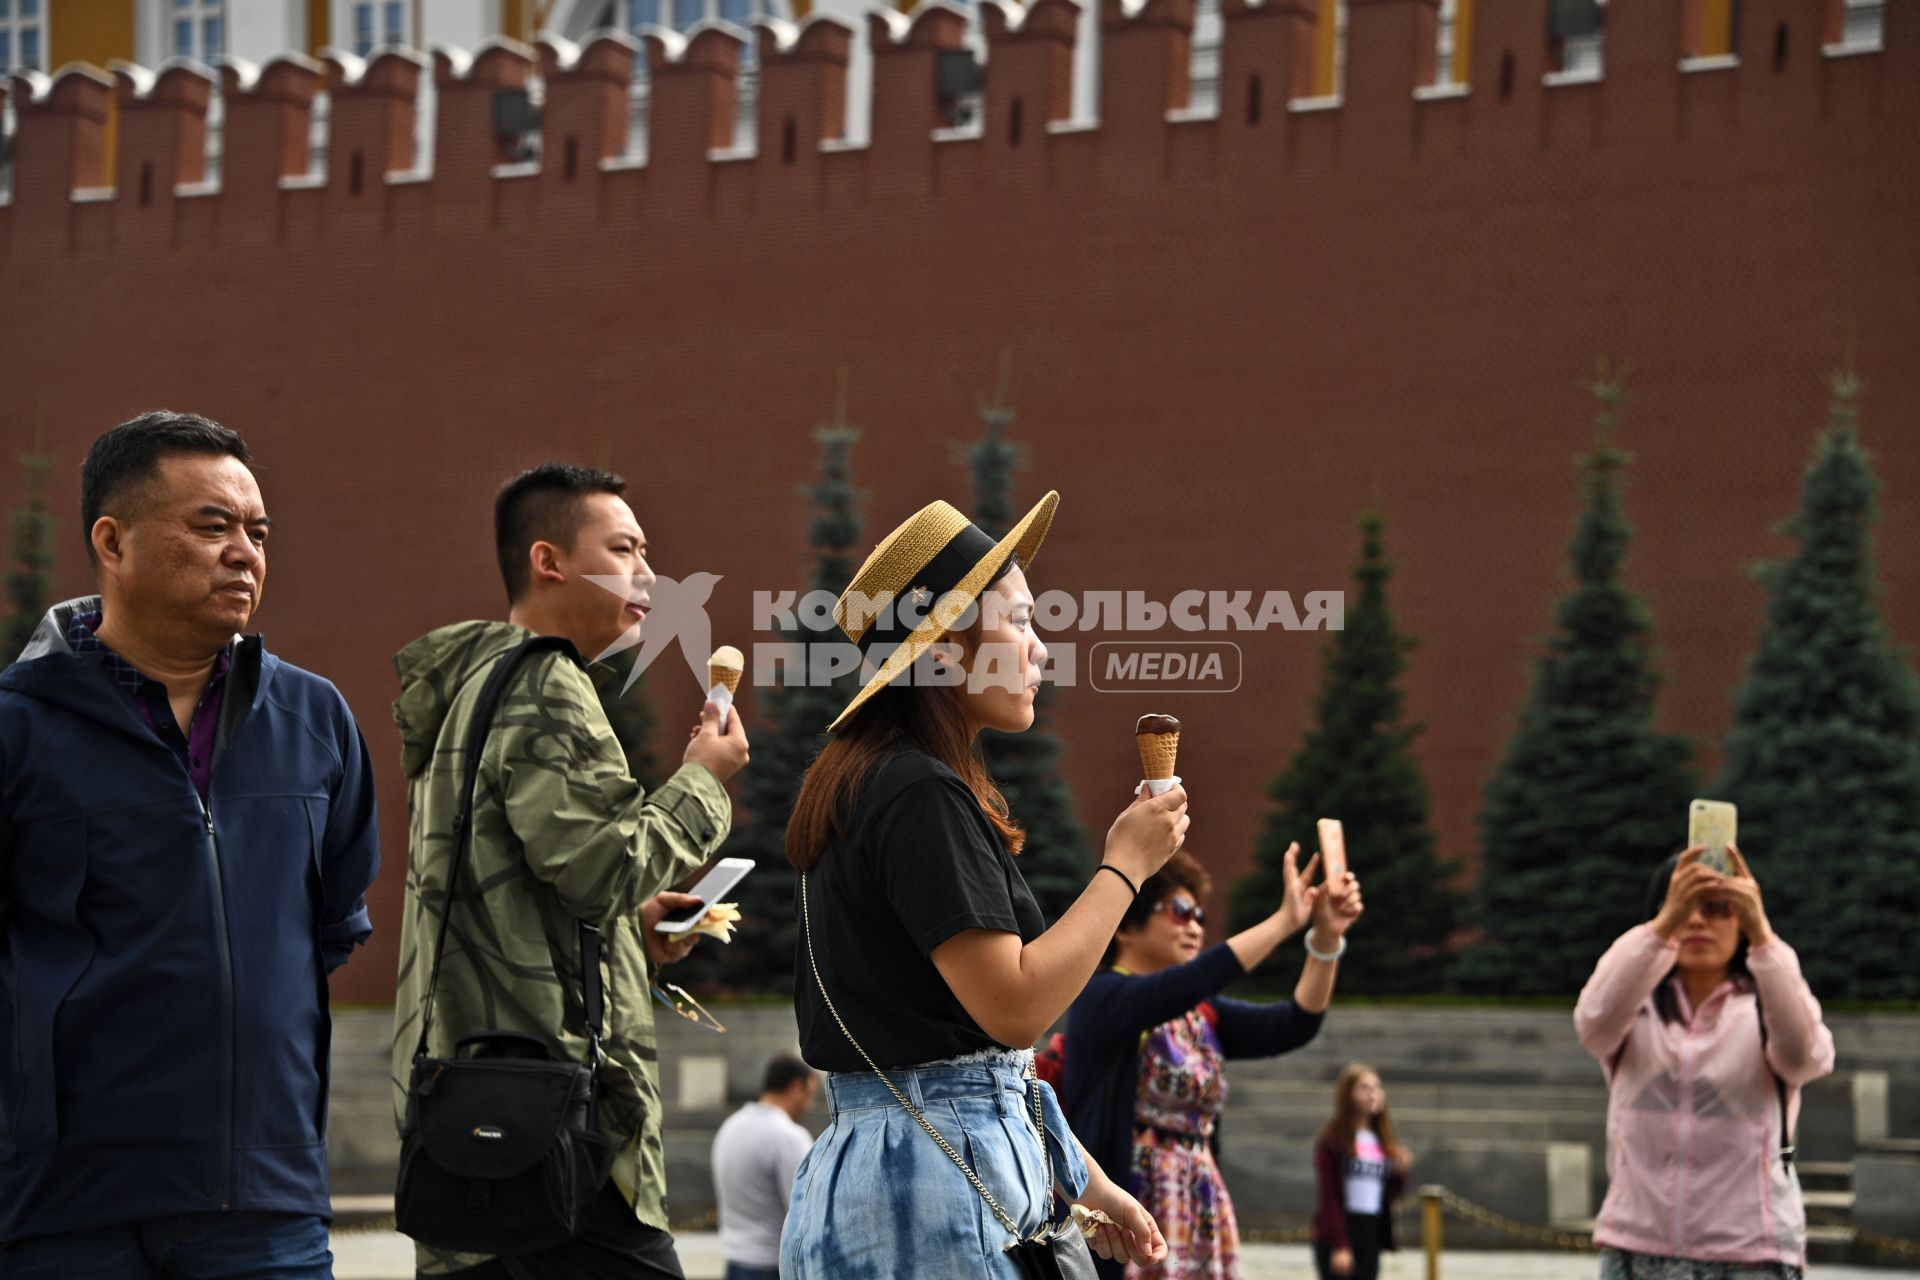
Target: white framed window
point(377, 24)
point(1863, 24)
point(1444, 70)
point(682, 14)
point(23, 35)
point(1577, 30)
point(197, 29)
point(635, 15)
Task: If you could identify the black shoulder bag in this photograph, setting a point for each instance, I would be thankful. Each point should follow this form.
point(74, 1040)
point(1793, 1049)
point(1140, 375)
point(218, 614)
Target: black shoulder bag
point(500, 1152)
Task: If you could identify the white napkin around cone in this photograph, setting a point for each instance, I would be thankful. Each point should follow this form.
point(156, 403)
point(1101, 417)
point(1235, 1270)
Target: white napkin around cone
point(723, 697)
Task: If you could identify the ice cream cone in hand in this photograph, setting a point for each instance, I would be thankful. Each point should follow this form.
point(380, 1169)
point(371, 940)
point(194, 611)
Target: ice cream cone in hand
point(1158, 738)
point(724, 670)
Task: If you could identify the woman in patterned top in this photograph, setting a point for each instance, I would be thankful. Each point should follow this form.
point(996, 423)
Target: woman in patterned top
point(1147, 1043)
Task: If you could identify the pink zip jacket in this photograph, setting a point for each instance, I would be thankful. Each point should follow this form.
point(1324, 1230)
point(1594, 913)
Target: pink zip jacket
point(1693, 1117)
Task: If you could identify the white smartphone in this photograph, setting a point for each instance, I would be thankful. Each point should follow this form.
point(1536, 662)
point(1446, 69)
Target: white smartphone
point(712, 887)
point(1333, 849)
point(1713, 823)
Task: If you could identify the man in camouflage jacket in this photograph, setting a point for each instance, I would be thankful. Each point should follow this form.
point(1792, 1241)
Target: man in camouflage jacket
point(561, 833)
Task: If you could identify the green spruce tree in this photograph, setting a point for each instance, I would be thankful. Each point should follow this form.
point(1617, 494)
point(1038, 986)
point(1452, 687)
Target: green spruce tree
point(790, 729)
point(1357, 765)
point(1824, 754)
point(1026, 766)
point(30, 559)
point(1590, 795)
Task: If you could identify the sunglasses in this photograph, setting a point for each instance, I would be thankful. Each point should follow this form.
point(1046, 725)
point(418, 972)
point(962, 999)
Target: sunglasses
point(1183, 911)
point(686, 1006)
point(1716, 908)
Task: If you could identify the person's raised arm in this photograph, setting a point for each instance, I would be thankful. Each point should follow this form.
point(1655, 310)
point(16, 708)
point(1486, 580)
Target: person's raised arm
point(1338, 906)
point(589, 830)
point(1799, 1045)
point(1637, 962)
point(1014, 991)
point(1297, 899)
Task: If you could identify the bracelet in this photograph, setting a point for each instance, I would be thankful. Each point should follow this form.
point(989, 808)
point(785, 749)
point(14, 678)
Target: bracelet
point(1325, 957)
point(1108, 866)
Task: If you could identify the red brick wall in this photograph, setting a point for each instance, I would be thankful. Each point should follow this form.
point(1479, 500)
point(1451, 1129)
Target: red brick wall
point(1223, 336)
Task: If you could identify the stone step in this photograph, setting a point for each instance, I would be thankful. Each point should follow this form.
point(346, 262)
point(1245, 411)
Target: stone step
point(1317, 1098)
point(1824, 1175)
point(362, 1210)
point(1831, 1201)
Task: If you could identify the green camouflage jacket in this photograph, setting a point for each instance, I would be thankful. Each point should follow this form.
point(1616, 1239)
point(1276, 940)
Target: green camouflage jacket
point(561, 833)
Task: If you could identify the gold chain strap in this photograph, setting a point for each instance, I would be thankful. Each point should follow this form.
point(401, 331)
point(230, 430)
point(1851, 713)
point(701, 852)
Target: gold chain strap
point(1013, 1228)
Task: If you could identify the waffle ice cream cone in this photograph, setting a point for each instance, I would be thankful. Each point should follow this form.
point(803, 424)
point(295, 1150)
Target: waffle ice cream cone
point(1158, 738)
point(725, 668)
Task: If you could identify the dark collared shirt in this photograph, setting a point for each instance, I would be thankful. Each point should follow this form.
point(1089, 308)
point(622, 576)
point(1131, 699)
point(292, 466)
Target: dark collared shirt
point(195, 747)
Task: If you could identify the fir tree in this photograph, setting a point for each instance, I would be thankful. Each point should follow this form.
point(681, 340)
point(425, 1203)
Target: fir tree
point(1824, 754)
point(1590, 795)
point(790, 730)
point(1026, 766)
point(30, 567)
point(1357, 765)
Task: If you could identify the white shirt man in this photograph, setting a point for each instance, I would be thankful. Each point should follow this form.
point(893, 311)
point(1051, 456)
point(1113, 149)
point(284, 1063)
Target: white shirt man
point(755, 1155)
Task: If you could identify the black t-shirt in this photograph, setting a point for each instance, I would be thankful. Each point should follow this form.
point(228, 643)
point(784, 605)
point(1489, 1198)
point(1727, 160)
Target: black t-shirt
point(920, 863)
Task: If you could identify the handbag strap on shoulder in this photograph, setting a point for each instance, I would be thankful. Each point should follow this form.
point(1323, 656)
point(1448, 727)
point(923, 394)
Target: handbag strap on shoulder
point(485, 708)
point(1039, 1118)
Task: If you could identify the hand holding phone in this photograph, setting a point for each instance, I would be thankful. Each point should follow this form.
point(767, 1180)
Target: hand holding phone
point(711, 887)
point(1715, 824)
point(1333, 849)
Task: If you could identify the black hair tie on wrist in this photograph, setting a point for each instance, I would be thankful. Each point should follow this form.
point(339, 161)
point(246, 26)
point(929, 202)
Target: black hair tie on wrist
point(1108, 866)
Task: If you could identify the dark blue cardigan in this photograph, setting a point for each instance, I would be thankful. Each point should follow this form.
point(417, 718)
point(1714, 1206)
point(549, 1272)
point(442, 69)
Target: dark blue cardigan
point(1105, 1024)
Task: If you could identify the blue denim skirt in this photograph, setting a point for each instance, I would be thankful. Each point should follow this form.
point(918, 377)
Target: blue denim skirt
point(877, 1199)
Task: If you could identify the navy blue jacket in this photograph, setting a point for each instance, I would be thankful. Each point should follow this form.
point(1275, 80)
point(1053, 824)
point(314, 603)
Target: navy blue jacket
point(1104, 1026)
point(163, 963)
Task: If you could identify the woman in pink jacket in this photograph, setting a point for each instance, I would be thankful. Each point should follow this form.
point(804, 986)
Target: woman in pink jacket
point(1706, 1031)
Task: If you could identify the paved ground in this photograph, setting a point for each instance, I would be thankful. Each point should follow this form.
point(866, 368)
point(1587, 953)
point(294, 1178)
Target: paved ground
point(384, 1255)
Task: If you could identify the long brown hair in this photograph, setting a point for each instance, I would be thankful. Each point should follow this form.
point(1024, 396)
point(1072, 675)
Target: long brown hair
point(1339, 1132)
point(921, 717)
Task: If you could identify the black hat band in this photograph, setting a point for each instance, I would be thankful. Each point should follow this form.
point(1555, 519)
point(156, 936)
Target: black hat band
point(949, 565)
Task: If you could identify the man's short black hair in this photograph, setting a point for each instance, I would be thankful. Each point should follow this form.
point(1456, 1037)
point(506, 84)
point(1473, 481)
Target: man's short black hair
point(782, 1072)
point(542, 505)
point(127, 458)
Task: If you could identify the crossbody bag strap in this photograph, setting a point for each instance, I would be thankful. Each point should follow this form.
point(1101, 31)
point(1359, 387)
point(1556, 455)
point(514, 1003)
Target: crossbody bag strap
point(1779, 1085)
point(1006, 1220)
point(486, 706)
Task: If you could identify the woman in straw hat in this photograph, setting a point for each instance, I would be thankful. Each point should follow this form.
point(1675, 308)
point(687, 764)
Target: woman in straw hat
point(926, 967)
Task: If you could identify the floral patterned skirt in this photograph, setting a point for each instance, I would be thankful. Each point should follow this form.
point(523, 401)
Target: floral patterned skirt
point(1617, 1264)
point(1180, 1185)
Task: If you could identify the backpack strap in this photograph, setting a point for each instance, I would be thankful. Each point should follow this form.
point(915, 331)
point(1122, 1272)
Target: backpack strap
point(1779, 1085)
point(485, 707)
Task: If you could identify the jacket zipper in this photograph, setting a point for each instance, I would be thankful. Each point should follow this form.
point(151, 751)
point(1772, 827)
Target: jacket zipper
point(223, 936)
point(1685, 1184)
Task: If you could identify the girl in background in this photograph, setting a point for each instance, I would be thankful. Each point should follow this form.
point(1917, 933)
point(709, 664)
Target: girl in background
point(1360, 1169)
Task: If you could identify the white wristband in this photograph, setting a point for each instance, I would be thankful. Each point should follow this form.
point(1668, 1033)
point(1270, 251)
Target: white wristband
point(1325, 957)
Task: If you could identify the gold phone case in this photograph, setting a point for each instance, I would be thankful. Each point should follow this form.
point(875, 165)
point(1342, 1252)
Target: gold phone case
point(1333, 849)
point(1713, 823)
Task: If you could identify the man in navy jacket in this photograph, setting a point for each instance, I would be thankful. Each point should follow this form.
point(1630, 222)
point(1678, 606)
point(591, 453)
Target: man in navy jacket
point(187, 831)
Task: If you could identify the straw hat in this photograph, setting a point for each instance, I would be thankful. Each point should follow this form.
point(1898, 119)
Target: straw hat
point(937, 558)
